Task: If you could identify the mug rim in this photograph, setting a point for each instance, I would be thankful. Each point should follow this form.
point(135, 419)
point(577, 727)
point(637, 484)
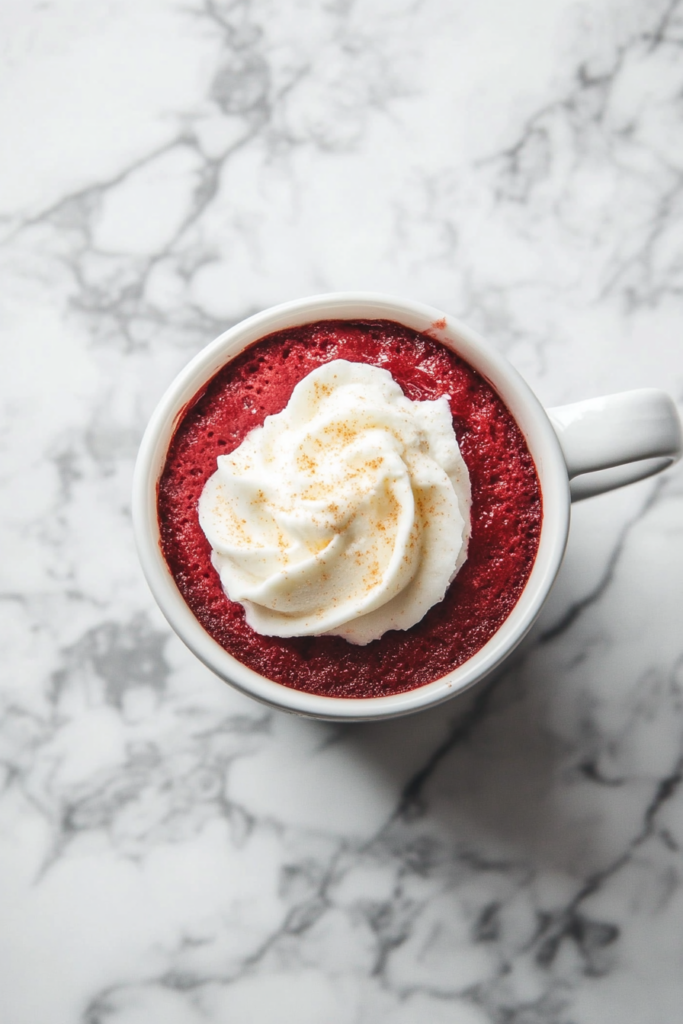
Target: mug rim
point(513, 390)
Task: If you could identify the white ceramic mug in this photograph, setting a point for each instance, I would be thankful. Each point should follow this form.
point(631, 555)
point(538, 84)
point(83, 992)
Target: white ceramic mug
point(579, 450)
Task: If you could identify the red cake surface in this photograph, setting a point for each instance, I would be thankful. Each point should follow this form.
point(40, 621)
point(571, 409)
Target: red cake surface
point(506, 508)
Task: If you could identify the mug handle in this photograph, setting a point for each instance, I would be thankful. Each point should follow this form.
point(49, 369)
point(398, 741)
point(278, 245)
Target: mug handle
point(618, 439)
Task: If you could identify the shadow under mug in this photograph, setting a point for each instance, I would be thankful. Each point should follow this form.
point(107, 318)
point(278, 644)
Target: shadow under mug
point(579, 450)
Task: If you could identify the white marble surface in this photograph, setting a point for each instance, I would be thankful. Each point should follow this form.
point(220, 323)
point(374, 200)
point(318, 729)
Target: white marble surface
point(171, 853)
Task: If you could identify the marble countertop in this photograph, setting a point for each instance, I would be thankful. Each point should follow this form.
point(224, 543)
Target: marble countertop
point(170, 852)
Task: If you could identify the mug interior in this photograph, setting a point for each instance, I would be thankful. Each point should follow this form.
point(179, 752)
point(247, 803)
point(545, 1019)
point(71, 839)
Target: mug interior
point(512, 389)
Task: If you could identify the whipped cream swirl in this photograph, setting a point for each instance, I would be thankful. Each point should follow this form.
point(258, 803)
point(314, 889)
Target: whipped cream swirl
point(348, 513)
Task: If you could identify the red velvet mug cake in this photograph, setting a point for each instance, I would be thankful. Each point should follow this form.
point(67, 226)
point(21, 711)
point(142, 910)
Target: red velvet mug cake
point(278, 555)
point(351, 507)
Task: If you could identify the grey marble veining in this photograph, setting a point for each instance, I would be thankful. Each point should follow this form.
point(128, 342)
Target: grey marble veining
point(170, 852)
